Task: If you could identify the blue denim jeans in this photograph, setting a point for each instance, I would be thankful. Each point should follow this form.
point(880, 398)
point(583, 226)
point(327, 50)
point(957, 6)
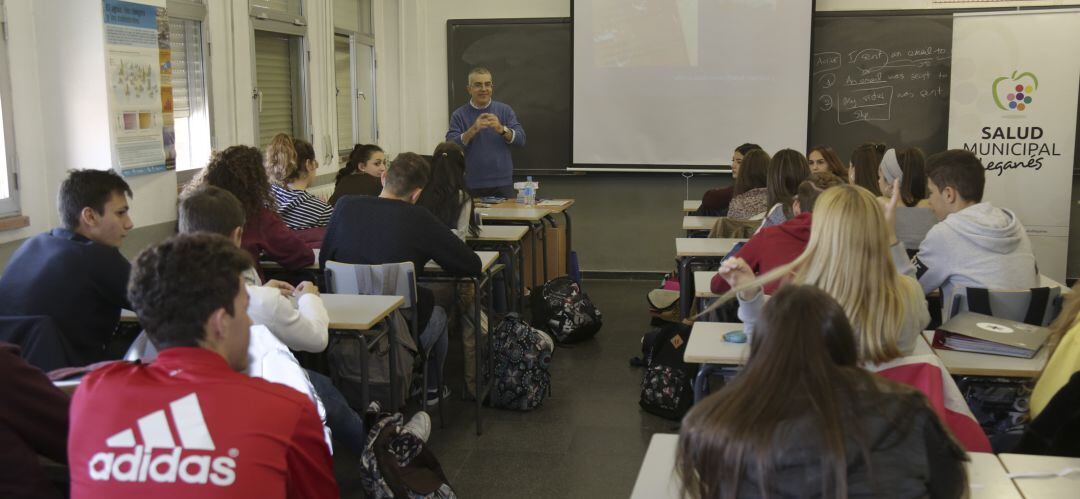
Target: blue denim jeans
point(435, 335)
point(346, 426)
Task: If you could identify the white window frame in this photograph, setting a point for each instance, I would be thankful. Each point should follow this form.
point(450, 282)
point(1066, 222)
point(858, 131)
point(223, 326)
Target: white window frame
point(268, 20)
point(356, 39)
point(9, 205)
point(198, 12)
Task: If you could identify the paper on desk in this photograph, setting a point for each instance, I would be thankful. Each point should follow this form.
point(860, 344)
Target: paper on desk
point(551, 202)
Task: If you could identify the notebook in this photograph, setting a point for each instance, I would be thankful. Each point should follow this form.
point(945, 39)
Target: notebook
point(978, 333)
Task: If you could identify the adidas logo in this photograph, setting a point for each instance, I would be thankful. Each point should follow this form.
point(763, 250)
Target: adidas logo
point(172, 463)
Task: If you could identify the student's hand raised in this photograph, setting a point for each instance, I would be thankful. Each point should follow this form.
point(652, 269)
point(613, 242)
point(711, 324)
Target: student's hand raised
point(306, 287)
point(890, 212)
point(285, 288)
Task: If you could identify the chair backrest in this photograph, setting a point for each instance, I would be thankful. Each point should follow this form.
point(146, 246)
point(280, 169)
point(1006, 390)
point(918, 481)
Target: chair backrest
point(386, 279)
point(1035, 306)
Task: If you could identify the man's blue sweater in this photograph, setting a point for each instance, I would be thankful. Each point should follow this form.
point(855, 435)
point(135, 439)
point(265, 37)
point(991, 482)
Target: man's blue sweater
point(487, 155)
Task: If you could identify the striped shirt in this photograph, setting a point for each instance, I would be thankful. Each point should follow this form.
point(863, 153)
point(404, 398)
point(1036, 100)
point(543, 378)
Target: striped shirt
point(300, 210)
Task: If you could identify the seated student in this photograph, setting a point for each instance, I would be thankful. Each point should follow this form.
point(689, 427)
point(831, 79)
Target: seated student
point(751, 199)
point(239, 170)
point(803, 420)
point(787, 169)
point(976, 244)
point(824, 159)
point(1055, 401)
point(191, 423)
point(75, 274)
point(362, 173)
point(850, 257)
point(33, 422)
point(390, 229)
point(863, 170)
point(445, 195)
point(914, 218)
point(780, 244)
point(291, 165)
point(715, 202)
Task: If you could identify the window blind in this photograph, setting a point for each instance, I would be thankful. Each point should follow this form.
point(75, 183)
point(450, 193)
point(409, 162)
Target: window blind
point(274, 70)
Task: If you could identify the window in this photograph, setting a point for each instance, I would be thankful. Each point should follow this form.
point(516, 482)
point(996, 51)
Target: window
point(354, 74)
point(191, 109)
point(9, 200)
point(280, 69)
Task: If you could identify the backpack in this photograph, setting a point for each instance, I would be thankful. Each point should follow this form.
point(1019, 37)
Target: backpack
point(667, 383)
point(347, 369)
point(561, 309)
point(522, 357)
point(395, 463)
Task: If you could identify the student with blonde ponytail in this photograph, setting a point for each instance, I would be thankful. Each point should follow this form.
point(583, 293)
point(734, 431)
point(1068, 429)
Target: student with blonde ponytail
point(291, 165)
point(853, 255)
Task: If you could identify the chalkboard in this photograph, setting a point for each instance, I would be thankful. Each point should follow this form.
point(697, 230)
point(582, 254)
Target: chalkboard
point(881, 79)
point(531, 61)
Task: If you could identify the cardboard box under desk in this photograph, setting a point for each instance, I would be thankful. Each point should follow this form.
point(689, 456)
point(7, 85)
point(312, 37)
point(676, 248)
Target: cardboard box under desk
point(556, 255)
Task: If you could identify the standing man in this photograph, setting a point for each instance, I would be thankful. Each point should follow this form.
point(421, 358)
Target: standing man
point(486, 128)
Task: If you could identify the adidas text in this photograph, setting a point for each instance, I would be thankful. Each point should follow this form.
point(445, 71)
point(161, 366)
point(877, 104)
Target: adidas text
point(165, 467)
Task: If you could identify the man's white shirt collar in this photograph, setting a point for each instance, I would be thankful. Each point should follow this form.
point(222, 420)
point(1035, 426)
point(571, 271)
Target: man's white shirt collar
point(478, 107)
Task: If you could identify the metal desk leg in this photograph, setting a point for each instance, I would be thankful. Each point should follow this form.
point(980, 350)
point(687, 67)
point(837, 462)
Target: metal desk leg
point(543, 237)
point(520, 253)
point(533, 241)
point(478, 351)
point(392, 341)
point(569, 247)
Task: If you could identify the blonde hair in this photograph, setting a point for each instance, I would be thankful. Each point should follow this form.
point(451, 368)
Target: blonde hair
point(848, 257)
point(280, 161)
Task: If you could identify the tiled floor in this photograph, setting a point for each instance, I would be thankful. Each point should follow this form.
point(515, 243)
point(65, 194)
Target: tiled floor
point(587, 440)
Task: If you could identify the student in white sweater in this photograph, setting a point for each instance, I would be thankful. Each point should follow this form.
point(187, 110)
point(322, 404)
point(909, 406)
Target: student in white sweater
point(976, 244)
point(852, 255)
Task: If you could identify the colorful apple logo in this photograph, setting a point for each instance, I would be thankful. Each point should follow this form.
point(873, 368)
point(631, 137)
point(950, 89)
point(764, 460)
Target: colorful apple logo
point(1016, 91)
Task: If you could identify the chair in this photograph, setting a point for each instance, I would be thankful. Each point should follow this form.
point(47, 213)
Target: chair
point(1035, 306)
point(40, 341)
point(390, 279)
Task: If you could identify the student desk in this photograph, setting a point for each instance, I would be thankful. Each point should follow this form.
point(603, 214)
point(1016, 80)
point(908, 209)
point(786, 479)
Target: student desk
point(981, 364)
point(690, 223)
point(691, 205)
point(531, 217)
point(987, 478)
point(657, 478)
point(268, 265)
point(687, 251)
point(434, 273)
point(506, 237)
point(1040, 487)
point(502, 211)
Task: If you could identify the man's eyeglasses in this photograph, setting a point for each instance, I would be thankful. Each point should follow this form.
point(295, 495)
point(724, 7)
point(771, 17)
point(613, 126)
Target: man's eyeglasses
point(482, 84)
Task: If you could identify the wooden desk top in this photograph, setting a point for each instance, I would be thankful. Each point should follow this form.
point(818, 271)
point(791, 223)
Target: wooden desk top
point(513, 214)
point(1066, 486)
point(657, 478)
point(707, 345)
point(268, 265)
point(487, 259)
point(987, 478)
point(551, 205)
point(698, 223)
point(981, 364)
point(690, 205)
point(700, 246)
point(703, 284)
point(355, 312)
point(359, 312)
point(499, 233)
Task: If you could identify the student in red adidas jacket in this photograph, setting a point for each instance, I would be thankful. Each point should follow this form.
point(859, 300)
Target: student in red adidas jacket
point(774, 246)
point(191, 424)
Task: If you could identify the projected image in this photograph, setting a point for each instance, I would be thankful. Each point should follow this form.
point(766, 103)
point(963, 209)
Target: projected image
point(645, 33)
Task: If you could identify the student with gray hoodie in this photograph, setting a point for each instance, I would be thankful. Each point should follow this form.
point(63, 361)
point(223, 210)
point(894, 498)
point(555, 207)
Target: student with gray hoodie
point(976, 244)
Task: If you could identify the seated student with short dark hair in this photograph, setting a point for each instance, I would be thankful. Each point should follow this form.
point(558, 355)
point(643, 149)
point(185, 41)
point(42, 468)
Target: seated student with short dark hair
point(75, 274)
point(239, 170)
point(802, 419)
point(976, 244)
point(191, 423)
point(391, 229)
point(777, 245)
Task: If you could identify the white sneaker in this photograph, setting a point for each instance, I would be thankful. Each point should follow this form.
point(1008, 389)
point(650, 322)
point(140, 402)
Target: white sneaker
point(419, 425)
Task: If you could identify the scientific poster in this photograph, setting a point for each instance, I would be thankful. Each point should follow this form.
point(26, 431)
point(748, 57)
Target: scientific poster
point(139, 65)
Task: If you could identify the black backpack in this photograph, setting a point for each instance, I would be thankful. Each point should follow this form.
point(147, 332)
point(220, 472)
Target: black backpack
point(560, 308)
point(522, 357)
point(667, 384)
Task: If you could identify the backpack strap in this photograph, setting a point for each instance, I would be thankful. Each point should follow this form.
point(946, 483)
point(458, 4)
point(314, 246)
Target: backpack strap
point(978, 301)
point(1040, 297)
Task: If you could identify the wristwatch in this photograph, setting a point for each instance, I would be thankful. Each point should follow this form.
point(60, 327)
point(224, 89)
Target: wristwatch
point(504, 130)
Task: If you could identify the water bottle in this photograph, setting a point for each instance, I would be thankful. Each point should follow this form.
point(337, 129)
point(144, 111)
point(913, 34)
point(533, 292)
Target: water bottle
point(530, 192)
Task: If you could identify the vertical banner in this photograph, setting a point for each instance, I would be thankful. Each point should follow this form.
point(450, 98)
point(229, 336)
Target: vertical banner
point(139, 65)
point(1015, 77)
